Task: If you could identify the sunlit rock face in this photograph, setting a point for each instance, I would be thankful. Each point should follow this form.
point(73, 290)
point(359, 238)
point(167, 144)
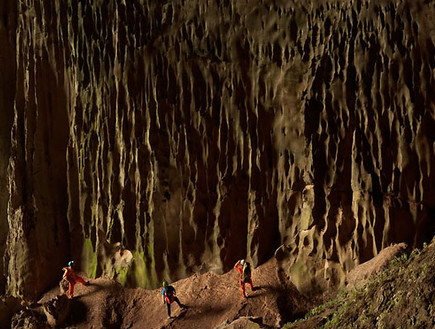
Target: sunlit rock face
point(150, 139)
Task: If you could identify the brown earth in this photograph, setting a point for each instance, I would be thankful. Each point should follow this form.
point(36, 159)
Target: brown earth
point(212, 300)
point(392, 288)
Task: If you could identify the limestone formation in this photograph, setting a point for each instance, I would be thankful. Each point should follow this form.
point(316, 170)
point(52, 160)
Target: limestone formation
point(153, 139)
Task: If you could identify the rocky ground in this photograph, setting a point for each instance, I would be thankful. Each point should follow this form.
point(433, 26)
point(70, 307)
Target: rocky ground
point(395, 288)
point(212, 301)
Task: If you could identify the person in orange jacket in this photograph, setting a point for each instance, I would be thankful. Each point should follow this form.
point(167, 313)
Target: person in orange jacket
point(244, 269)
point(72, 278)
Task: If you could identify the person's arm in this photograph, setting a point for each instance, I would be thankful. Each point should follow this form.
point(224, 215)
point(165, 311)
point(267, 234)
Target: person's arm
point(237, 264)
point(66, 273)
point(163, 295)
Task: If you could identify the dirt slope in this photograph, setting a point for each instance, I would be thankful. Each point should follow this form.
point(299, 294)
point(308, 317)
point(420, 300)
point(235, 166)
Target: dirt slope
point(211, 301)
point(400, 295)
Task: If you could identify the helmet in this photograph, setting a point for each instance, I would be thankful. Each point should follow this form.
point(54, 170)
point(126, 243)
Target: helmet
point(70, 263)
point(242, 262)
point(164, 284)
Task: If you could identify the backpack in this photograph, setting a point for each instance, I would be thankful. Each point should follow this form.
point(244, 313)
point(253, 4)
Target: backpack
point(169, 294)
point(246, 273)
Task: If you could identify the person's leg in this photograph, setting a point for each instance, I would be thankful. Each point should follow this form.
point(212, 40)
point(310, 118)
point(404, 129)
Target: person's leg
point(250, 284)
point(168, 307)
point(71, 289)
point(178, 301)
point(242, 287)
point(83, 282)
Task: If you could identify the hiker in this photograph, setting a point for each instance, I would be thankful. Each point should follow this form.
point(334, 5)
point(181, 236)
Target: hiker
point(244, 269)
point(169, 296)
point(72, 278)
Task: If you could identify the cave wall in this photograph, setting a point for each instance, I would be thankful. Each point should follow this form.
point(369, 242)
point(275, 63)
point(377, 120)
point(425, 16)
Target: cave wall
point(37, 230)
point(7, 87)
point(151, 139)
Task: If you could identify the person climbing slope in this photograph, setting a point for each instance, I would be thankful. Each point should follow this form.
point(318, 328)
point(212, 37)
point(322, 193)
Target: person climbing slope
point(244, 269)
point(72, 278)
point(169, 296)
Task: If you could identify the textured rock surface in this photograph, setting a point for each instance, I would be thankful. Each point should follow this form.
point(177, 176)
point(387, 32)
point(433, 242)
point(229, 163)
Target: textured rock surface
point(7, 88)
point(151, 139)
point(28, 319)
point(57, 310)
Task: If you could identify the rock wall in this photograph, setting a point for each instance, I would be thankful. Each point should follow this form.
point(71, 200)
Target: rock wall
point(37, 227)
point(7, 90)
point(152, 139)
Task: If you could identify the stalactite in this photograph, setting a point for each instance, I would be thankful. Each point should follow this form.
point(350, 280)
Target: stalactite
point(154, 140)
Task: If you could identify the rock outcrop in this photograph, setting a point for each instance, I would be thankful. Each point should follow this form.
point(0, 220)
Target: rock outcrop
point(57, 310)
point(153, 139)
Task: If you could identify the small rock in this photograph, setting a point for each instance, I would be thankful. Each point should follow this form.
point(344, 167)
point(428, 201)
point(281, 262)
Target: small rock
point(27, 319)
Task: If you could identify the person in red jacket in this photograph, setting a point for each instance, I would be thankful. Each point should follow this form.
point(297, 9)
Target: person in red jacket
point(244, 270)
point(72, 278)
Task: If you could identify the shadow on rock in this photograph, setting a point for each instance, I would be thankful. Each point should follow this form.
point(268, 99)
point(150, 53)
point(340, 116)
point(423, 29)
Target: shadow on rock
point(8, 307)
point(286, 299)
point(57, 310)
point(263, 290)
point(260, 291)
point(78, 312)
point(287, 307)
